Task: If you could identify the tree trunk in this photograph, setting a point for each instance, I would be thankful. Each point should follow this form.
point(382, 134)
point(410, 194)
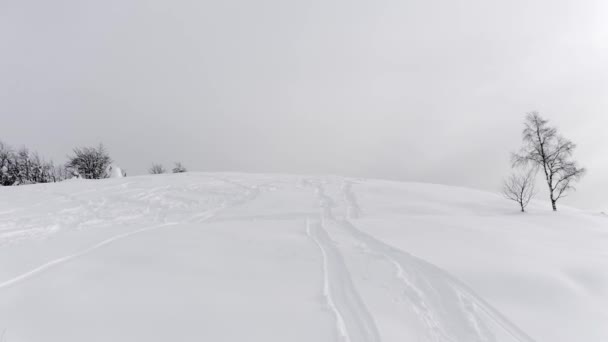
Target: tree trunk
point(553, 200)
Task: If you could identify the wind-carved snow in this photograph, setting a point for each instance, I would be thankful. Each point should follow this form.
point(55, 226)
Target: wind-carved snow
point(234, 257)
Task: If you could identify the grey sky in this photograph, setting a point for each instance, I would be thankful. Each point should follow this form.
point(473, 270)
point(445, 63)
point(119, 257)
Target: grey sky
point(432, 91)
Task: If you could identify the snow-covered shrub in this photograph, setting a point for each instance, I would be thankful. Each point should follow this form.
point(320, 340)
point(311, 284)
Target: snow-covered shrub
point(90, 162)
point(157, 169)
point(179, 168)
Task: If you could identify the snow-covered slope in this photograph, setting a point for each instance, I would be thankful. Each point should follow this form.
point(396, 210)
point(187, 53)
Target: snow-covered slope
point(269, 258)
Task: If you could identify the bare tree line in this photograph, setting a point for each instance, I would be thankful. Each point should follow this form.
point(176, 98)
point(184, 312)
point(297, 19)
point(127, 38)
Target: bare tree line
point(20, 166)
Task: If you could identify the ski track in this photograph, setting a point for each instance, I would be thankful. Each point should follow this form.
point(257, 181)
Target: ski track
point(327, 292)
point(437, 297)
point(353, 321)
point(64, 259)
point(250, 194)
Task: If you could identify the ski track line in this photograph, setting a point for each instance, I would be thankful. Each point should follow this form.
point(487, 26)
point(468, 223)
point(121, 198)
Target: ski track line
point(431, 274)
point(249, 196)
point(353, 321)
point(340, 325)
point(88, 250)
point(66, 258)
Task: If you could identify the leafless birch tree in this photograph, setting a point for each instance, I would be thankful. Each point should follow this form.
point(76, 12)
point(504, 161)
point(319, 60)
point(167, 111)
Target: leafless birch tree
point(550, 152)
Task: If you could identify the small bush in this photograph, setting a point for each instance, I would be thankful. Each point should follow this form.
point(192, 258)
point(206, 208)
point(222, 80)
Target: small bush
point(89, 162)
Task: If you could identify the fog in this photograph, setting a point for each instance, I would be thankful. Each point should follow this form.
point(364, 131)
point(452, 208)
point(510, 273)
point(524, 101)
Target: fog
point(429, 91)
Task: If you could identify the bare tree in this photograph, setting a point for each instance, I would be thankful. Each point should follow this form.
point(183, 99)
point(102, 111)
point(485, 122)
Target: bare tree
point(520, 188)
point(7, 165)
point(547, 150)
point(90, 162)
point(179, 168)
point(157, 169)
point(25, 167)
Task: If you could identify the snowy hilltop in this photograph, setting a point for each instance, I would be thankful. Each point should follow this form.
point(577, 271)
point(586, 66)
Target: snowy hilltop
point(277, 258)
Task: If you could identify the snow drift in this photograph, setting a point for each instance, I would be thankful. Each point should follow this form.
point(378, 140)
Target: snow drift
point(236, 257)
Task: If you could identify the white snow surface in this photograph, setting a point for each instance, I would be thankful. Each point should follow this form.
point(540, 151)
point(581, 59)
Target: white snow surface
point(277, 258)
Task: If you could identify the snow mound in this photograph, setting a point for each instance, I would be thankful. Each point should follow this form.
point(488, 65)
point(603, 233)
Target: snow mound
point(238, 257)
point(115, 172)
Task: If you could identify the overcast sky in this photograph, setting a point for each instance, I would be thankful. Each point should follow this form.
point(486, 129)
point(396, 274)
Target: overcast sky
point(426, 90)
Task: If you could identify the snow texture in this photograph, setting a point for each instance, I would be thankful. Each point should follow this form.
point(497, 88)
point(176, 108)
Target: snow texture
point(237, 257)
